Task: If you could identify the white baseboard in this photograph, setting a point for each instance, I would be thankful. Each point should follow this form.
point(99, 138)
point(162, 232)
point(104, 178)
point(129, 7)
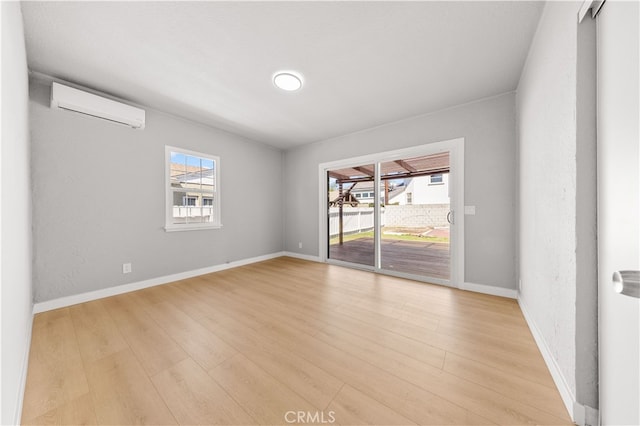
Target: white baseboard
point(126, 288)
point(558, 378)
point(17, 415)
point(492, 290)
point(302, 256)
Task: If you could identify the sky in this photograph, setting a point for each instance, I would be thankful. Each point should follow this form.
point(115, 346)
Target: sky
point(179, 158)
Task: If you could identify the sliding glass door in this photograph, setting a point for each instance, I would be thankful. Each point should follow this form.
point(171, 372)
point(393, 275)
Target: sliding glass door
point(414, 216)
point(351, 215)
point(395, 213)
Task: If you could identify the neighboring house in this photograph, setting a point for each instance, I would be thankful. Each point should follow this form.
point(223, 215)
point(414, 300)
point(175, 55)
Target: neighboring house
point(201, 180)
point(364, 192)
point(193, 189)
point(433, 189)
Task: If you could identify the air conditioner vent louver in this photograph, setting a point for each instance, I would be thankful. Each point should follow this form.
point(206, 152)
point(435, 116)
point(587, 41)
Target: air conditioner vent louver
point(70, 99)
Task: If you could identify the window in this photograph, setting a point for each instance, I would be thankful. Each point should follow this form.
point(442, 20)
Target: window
point(193, 190)
point(358, 195)
point(409, 198)
point(435, 179)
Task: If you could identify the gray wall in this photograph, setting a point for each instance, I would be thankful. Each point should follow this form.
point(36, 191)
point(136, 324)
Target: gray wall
point(99, 200)
point(488, 127)
point(556, 100)
point(15, 229)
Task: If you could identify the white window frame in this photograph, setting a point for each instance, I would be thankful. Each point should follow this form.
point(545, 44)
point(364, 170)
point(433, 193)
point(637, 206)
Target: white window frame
point(169, 225)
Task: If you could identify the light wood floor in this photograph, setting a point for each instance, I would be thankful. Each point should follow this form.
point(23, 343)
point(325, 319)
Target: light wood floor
point(247, 345)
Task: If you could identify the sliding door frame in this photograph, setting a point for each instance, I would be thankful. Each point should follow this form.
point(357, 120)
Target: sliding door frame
point(456, 182)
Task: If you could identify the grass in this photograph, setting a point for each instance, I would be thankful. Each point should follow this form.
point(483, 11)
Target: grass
point(401, 237)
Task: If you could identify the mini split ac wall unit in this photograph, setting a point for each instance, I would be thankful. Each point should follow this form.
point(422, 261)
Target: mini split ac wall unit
point(70, 99)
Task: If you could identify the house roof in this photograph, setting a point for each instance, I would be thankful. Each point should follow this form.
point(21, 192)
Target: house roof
point(399, 189)
point(192, 175)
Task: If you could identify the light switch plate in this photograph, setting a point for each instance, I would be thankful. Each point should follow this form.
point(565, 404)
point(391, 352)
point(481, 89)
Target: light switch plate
point(470, 210)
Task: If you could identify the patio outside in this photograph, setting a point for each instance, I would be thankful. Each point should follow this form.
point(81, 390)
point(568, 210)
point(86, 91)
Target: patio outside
point(417, 250)
point(414, 199)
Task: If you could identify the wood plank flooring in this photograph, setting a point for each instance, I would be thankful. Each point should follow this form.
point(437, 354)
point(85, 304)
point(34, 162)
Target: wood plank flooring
point(260, 343)
point(422, 258)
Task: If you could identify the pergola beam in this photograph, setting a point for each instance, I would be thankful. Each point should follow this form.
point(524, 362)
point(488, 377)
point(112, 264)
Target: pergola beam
point(365, 171)
point(408, 167)
point(338, 176)
point(395, 176)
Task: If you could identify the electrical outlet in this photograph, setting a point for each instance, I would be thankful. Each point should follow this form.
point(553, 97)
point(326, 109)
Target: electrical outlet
point(126, 268)
point(300, 245)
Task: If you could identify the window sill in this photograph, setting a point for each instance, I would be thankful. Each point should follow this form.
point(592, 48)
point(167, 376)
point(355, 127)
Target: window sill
point(190, 227)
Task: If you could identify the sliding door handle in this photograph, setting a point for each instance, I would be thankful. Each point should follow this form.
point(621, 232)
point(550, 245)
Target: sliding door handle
point(627, 282)
point(450, 217)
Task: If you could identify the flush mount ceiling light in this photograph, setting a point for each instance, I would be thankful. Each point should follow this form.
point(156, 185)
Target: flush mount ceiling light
point(288, 80)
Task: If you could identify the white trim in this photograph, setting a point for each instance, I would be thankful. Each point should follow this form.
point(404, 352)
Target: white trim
point(456, 182)
point(565, 391)
point(17, 415)
point(308, 257)
point(489, 289)
point(190, 227)
point(377, 215)
point(126, 288)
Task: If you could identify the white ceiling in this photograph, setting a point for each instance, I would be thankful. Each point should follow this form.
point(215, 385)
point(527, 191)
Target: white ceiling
point(364, 63)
